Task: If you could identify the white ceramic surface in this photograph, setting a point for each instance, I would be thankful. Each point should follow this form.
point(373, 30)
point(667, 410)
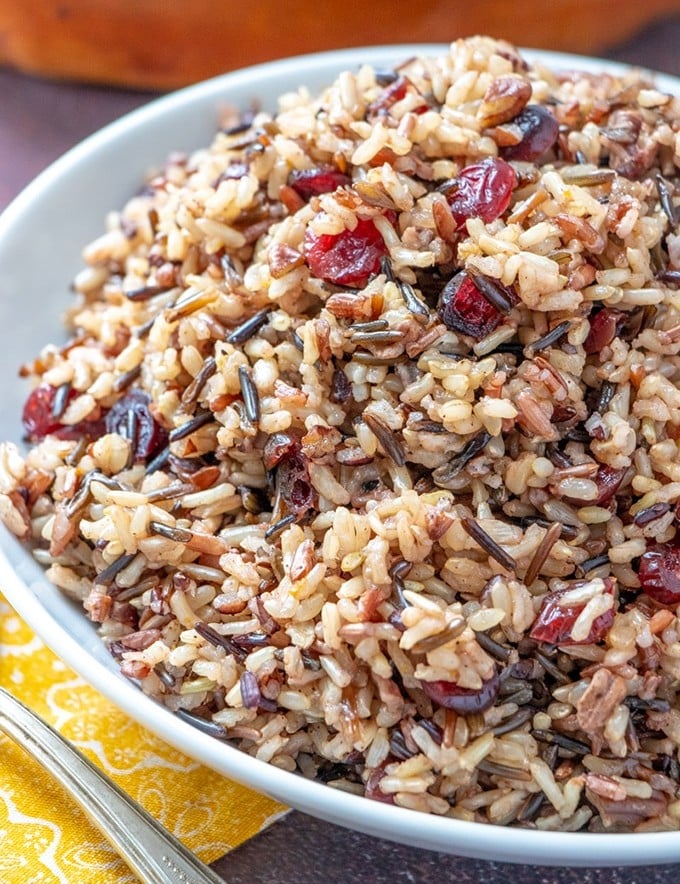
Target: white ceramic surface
point(41, 236)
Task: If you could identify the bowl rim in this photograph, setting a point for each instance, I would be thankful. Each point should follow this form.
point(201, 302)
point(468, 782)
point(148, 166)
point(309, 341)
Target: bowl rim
point(24, 585)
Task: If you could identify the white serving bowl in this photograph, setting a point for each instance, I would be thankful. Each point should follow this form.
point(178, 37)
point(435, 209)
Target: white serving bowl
point(41, 237)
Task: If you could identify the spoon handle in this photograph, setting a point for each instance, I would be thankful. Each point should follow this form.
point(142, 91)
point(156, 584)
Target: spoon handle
point(152, 853)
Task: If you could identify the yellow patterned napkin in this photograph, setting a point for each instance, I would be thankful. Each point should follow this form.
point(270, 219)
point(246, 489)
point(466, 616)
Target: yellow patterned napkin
point(45, 837)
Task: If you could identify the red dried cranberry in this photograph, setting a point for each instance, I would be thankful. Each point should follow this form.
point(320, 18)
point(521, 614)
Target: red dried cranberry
point(373, 789)
point(393, 93)
point(463, 308)
point(295, 484)
point(607, 480)
point(464, 701)
point(131, 418)
point(341, 388)
point(604, 327)
point(39, 421)
point(38, 417)
point(659, 572)
point(554, 623)
point(313, 182)
point(284, 452)
point(278, 446)
point(349, 258)
point(482, 190)
point(539, 132)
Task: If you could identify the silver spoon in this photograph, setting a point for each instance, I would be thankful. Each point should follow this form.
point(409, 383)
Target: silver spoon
point(152, 853)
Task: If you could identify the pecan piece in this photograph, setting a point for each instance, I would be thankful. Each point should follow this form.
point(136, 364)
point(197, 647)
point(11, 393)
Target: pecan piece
point(602, 696)
point(503, 100)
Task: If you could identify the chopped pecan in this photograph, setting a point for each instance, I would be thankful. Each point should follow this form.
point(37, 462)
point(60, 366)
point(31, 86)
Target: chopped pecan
point(602, 696)
point(503, 100)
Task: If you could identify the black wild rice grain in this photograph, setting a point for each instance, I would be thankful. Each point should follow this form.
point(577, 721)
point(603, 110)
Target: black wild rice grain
point(513, 722)
point(557, 457)
point(605, 396)
point(551, 668)
point(170, 492)
point(309, 661)
point(488, 544)
point(159, 460)
point(548, 339)
point(389, 443)
point(189, 427)
point(655, 705)
point(148, 291)
point(386, 336)
point(415, 305)
point(450, 470)
point(492, 647)
point(495, 769)
point(251, 398)
point(141, 331)
point(178, 535)
point(666, 199)
point(529, 810)
point(247, 329)
point(562, 741)
point(220, 641)
point(212, 728)
point(651, 513)
point(124, 380)
point(193, 391)
point(492, 290)
point(370, 359)
point(108, 575)
point(398, 747)
point(432, 729)
point(432, 642)
point(275, 529)
point(373, 325)
point(60, 400)
point(590, 564)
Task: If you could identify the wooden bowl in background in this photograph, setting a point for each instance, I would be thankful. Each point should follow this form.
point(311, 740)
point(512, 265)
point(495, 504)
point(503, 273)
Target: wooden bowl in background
point(162, 45)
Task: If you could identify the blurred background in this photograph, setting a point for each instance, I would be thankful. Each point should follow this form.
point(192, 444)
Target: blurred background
point(162, 44)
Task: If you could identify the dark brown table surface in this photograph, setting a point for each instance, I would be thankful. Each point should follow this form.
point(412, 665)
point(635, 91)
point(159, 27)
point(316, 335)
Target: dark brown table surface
point(41, 119)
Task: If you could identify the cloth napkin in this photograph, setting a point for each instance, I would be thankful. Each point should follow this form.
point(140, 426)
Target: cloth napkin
point(45, 836)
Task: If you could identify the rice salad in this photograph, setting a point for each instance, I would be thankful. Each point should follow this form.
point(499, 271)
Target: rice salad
point(363, 450)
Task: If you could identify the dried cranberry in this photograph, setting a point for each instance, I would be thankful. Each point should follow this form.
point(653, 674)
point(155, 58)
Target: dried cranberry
point(659, 572)
point(554, 623)
point(539, 132)
point(482, 190)
point(341, 388)
point(313, 182)
point(38, 414)
point(131, 418)
point(393, 93)
point(295, 484)
point(464, 701)
point(39, 421)
point(348, 258)
point(278, 446)
point(463, 308)
point(604, 327)
point(608, 480)
point(373, 789)
point(284, 452)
